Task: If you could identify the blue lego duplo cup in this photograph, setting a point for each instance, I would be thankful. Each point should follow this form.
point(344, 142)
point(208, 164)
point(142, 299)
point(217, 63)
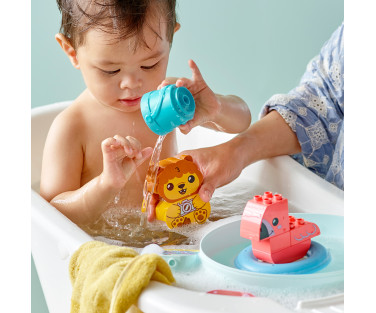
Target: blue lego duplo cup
point(165, 109)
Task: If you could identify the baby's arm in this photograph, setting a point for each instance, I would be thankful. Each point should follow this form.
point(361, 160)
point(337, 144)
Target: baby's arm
point(62, 169)
point(224, 113)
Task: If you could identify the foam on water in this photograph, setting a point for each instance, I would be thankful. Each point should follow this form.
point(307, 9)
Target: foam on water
point(204, 279)
point(123, 226)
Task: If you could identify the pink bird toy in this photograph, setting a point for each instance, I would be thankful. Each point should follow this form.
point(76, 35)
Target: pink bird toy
point(276, 237)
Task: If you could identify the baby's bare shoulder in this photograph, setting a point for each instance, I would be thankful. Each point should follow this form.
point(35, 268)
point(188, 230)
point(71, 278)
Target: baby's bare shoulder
point(69, 123)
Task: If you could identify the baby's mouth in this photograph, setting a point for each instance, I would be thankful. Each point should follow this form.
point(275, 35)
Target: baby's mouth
point(130, 101)
point(183, 191)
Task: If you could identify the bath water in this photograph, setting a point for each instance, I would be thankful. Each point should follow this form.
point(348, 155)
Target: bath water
point(123, 226)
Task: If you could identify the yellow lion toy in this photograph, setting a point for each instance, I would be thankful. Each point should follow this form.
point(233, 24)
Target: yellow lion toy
point(177, 184)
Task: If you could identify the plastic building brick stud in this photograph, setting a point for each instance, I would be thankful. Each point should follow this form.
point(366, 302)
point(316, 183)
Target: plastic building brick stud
point(276, 237)
point(177, 184)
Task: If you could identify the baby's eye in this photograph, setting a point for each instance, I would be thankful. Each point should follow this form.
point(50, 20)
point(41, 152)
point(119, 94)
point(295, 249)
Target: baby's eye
point(191, 178)
point(170, 186)
point(150, 67)
point(111, 72)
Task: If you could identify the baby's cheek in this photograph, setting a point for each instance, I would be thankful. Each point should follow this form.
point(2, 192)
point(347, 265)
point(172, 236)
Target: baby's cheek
point(110, 95)
point(152, 80)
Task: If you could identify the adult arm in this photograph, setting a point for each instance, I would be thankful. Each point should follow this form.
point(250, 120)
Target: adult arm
point(271, 136)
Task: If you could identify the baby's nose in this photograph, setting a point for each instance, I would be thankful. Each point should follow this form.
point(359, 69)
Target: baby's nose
point(181, 186)
point(130, 81)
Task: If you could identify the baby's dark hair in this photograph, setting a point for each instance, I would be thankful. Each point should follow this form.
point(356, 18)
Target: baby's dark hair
point(123, 18)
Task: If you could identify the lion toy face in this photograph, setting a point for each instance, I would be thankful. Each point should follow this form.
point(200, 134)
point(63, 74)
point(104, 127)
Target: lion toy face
point(178, 182)
point(178, 179)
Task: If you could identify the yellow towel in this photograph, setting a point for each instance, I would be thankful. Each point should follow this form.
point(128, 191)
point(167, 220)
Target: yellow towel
point(109, 279)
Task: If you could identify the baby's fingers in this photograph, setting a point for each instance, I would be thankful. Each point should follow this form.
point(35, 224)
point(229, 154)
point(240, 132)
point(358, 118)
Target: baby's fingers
point(184, 82)
point(196, 84)
point(108, 143)
point(196, 74)
point(113, 144)
point(135, 145)
point(144, 155)
point(167, 81)
point(113, 149)
point(186, 128)
point(195, 121)
point(127, 146)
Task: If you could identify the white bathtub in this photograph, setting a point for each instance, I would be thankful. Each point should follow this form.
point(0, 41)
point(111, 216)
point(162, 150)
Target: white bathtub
point(55, 237)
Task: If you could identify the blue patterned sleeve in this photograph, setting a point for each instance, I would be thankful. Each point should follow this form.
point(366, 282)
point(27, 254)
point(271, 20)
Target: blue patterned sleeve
point(315, 111)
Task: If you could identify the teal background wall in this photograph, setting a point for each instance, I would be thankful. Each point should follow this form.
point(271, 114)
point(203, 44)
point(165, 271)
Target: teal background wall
point(251, 48)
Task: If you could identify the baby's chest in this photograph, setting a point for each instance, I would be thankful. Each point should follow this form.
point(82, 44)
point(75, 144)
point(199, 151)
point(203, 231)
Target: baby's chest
point(93, 156)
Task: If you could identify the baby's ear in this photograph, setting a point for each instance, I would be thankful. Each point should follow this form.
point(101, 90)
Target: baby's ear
point(67, 47)
point(177, 27)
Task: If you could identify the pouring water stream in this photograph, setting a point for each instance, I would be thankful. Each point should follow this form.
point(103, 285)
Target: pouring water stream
point(152, 173)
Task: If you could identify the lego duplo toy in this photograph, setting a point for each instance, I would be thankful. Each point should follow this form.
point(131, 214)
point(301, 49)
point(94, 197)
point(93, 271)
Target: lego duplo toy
point(177, 184)
point(276, 237)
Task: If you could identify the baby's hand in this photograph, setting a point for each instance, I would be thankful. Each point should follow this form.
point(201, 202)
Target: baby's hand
point(121, 157)
point(207, 105)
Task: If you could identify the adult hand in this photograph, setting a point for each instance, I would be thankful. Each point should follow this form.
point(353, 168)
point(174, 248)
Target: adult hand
point(213, 162)
point(219, 166)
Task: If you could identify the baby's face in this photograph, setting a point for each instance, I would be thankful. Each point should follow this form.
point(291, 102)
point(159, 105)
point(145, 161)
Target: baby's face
point(115, 74)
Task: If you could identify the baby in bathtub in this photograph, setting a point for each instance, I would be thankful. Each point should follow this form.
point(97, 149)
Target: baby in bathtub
point(97, 150)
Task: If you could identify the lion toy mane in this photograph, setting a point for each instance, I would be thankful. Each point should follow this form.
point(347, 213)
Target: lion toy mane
point(178, 181)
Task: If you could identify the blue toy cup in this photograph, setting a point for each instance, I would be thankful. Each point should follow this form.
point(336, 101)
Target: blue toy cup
point(165, 109)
